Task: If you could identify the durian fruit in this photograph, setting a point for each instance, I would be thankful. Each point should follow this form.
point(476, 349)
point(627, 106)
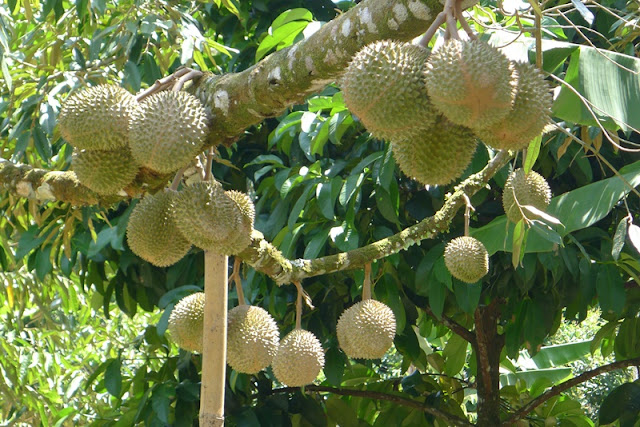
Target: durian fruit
point(531, 189)
point(152, 233)
point(384, 86)
point(466, 259)
point(366, 330)
point(437, 156)
point(98, 118)
point(213, 219)
point(299, 358)
point(252, 339)
point(186, 322)
point(471, 82)
point(168, 131)
point(529, 115)
point(105, 172)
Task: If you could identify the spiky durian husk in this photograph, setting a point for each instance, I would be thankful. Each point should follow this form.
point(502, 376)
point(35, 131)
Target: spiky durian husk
point(168, 131)
point(186, 322)
point(299, 358)
point(384, 87)
point(105, 172)
point(212, 220)
point(466, 259)
point(437, 156)
point(472, 83)
point(366, 330)
point(252, 339)
point(531, 189)
point(152, 233)
point(98, 118)
point(529, 115)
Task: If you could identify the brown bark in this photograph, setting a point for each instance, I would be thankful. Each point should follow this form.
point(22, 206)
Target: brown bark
point(489, 346)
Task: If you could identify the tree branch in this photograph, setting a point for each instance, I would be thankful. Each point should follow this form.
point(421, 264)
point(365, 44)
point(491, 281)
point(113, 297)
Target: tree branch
point(455, 327)
point(286, 77)
point(555, 390)
point(399, 400)
point(264, 257)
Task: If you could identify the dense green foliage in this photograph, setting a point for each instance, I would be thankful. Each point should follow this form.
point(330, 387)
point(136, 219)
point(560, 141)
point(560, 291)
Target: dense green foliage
point(321, 185)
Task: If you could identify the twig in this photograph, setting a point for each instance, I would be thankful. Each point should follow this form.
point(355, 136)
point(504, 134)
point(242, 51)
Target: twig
point(399, 400)
point(555, 390)
point(455, 327)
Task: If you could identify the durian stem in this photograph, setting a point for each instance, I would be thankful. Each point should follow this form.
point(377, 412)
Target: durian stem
point(207, 171)
point(299, 305)
point(176, 179)
point(237, 281)
point(426, 38)
point(452, 26)
point(467, 213)
point(214, 340)
point(163, 83)
point(366, 285)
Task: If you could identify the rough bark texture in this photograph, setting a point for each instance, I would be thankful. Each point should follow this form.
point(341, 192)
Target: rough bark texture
point(489, 346)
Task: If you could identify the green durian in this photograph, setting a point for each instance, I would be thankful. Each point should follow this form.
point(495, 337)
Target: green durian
point(186, 322)
point(471, 82)
point(529, 115)
point(531, 189)
point(299, 358)
point(152, 233)
point(366, 330)
point(437, 156)
point(168, 131)
point(98, 118)
point(466, 259)
point(384, 87)
point(252, 339)
point(105, 172)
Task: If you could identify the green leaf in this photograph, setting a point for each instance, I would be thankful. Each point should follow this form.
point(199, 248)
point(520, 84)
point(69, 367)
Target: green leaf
point(519, 236)
point(437, 295)
point(334, 366)
point(298, 14)
point(584, 11)
point(554, 375)
point(326, 196)
point(609, 81)
point(546, 232)
point(113, 377)
point(281, 37)
point(561, 354)
point(627, 345)
point(619, 238)
point(634, 236)
point(467, 295)
point(455, 354)
point(622, 399)
point(610, 287)
point(532, 153)
point(315, 245)
point(160, 400)
point(341, 413)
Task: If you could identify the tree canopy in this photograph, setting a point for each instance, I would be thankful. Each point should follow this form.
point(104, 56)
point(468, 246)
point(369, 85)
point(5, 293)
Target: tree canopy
point(334, 214)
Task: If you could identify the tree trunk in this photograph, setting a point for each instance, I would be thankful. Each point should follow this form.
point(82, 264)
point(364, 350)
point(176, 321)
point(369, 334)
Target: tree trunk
point(488, 361)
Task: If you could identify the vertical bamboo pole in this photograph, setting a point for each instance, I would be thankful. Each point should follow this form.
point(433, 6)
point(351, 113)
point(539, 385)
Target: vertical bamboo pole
point(214, 340)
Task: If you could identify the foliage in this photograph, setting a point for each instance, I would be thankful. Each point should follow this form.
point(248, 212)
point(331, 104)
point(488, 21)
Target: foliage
point(322, 186)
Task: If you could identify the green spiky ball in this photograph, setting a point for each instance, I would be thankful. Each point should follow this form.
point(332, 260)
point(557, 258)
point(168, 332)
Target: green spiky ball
point(366, 330)
point(152, 233)
point(384, 86)
point(186, 322)
point(531, 189)
point(168, 131)
point(98, 118)
point(529, 115)
point(466, 259)
point(437, 156)
point(471, 82)
point(105, 172)
point(252, 339)
point(299, 358)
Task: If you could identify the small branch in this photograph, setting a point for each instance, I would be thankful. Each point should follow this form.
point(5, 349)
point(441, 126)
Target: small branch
point(399, 400)
point(556, 390)
point(455, 327)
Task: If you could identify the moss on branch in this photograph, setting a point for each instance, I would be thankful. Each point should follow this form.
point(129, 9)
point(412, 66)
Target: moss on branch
point(266, 258)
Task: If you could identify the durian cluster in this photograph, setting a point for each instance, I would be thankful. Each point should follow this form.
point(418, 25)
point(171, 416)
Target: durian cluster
point(431, 107)
point(365, 331)
point(114, 135)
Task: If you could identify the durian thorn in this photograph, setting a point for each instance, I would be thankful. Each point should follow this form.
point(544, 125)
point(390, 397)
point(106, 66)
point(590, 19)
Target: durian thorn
point(366, 285)
point(207, 170)
point(467, 213)
point(237, 280)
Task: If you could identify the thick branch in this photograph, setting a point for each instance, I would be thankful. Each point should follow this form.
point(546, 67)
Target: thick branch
point(287, 77)
point(264, 257)
point(556, 390)
point(455, 327)
point(399, 400)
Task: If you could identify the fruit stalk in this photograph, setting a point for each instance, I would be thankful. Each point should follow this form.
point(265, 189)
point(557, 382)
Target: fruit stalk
point(214, 340)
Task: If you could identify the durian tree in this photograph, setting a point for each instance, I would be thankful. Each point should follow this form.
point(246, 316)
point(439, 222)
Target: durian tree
point(415, 194)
